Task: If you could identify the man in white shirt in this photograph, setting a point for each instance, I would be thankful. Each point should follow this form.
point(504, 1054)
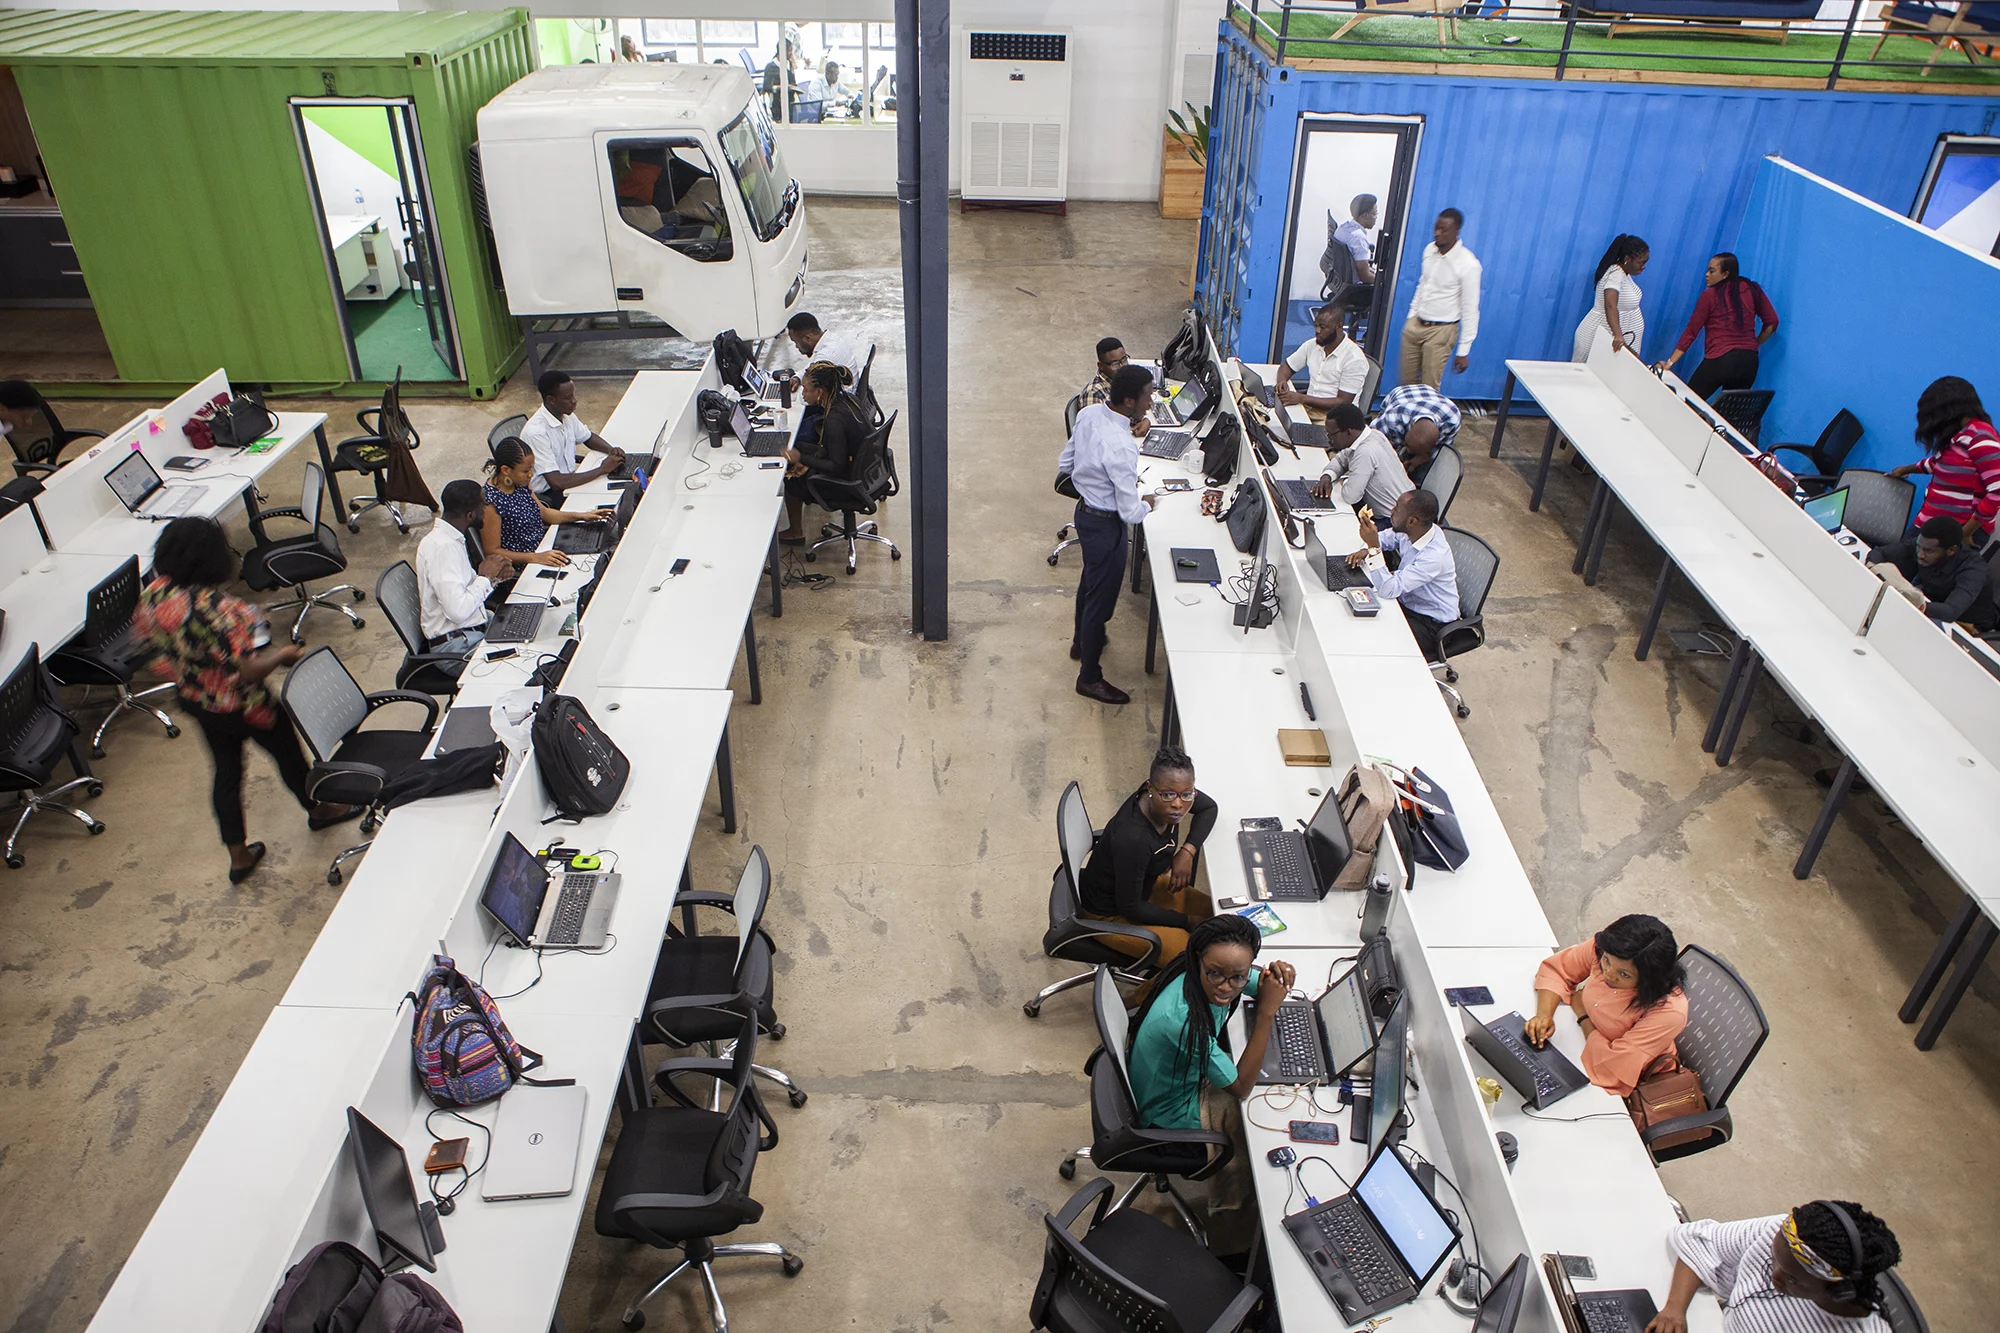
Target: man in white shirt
point(1102, 462)
point(1425, 580)
point(817, 344)
point(1336, 367)
point(1445, 310)
point(451, 597)
point(554, 433)
point(1363, 462)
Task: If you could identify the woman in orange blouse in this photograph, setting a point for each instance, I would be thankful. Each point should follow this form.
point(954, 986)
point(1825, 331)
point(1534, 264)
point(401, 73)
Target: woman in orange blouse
point(1625, 986)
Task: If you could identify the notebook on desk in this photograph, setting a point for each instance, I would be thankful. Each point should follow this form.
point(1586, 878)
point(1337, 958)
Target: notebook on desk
point(466, 729)
point(140, 489)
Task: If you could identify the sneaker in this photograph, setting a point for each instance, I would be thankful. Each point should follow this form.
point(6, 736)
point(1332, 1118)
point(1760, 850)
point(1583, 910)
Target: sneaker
point(1103, 691)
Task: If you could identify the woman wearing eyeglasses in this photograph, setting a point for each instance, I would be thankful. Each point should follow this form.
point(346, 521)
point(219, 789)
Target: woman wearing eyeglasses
point(1812, 1270)
point(1141, 869)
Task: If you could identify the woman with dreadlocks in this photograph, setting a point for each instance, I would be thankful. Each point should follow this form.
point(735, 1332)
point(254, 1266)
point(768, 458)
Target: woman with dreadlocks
point(1812, 1270)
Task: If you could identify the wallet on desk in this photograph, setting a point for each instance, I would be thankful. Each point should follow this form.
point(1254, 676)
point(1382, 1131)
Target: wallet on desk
point(1205, 569)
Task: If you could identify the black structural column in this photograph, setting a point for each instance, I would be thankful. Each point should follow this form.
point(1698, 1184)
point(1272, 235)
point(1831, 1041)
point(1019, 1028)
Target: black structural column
point(923, 120)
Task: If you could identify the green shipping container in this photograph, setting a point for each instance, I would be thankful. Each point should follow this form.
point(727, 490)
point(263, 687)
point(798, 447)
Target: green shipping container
point(177, 145)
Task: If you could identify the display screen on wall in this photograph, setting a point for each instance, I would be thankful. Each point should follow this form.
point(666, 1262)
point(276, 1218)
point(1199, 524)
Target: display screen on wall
point(1960, 196)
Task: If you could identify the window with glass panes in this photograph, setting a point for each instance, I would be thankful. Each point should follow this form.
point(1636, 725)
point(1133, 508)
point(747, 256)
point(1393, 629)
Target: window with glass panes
point(807, 73)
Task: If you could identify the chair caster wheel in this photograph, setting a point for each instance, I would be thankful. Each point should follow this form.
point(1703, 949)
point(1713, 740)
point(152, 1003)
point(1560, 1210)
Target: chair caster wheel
point(354, 527)
point(798, 1098)
point(634, 1319)
point(95, 789)
point(333, 876)
point(97, 752)
point(1463, 711)
point(172, 731)
point(1068, 1169)
point(811, 556)
point(1032, 1009)
point(360, 594)
point(1052, 562)
point(16, 861)
point(793, 1264)
point(895, 554)
point(96, 827)
point(360, 622)
point(1450, 676)
point(777, 1032)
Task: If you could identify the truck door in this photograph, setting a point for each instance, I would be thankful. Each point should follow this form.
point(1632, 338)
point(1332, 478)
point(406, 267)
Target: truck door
point(675, 234)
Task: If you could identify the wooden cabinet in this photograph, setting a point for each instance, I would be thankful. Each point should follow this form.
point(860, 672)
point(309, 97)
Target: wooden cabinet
point(1181, 179)
point(37, 263)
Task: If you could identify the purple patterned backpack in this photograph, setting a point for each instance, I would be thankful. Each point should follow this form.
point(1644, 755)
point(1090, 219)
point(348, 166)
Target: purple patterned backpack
point(463, 1051)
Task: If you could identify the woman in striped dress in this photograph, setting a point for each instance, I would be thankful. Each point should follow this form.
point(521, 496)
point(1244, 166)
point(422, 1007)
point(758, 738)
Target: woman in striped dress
point(1812, 1270)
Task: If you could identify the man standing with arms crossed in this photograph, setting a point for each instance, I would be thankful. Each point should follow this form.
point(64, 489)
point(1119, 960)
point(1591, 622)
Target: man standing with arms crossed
point(1102, 462)
point(1445, 310)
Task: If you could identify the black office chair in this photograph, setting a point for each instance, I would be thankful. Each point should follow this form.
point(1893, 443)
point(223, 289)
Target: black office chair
point(1475, 565)
point(1899, 1307)
point(864, 393)
point(421, 669)
point(1073, 937)
point(368, 454)
point(1744, 409)
point(874, 481)
point(509, 427)
point(703, 984)
point(1878, 505)
point(1825, 456)
point(1726, 1028)
point(38, 733)
point(101, 655)
point(1118, 1142)
point(294, 562)
point(1442, 478)
point(350, 765)
point(1131, 1271)
point(38, 445)
point(1066, 534)
point(680, 1174)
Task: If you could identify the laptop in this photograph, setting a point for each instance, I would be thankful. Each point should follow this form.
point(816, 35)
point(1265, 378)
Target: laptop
point(1627, 1310)
point(142, 492)
point(1542, 1075)
point(1253, 384)
point(542, 908)
point(535, 1140)
point(1331, 570)
point(1500, 1309)
point(1829, 510)
point(1374, 1249)
point(758, 443)
point(1286, 866)
point(516, 622)
point(1165, 443)
point(1298, 497)
point(1323, 1040)
point(466, 729)
point(585, 538)
point(1182, 405)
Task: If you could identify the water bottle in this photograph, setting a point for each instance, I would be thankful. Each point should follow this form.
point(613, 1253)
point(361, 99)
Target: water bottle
point(359, 202)
point(1375, 913)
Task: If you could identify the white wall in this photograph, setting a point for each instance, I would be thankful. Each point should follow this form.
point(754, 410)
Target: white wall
point(343, 173)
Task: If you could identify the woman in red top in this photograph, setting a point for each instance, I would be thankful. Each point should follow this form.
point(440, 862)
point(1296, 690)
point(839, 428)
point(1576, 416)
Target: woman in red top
point(1625, 986)
point(1727, 317)
point(215, 646)
point(1962, 459)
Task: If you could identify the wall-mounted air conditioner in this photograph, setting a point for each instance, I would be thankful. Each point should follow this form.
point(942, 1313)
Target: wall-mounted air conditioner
point(1014, 117)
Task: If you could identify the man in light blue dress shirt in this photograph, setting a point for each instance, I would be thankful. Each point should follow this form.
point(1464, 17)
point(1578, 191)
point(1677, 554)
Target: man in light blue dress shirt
point(1102, 462)
point(1425, 581)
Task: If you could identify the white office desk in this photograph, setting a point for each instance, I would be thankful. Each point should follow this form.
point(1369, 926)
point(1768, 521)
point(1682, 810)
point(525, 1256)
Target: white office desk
point(45, 594)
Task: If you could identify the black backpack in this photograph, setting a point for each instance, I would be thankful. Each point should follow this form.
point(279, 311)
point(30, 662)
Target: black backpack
point(1219, 450)
point(338, 1289)
point(732, 355)
point(582, 769)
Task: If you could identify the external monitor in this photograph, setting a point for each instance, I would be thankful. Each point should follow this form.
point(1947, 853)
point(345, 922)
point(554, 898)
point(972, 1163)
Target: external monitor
point(133, 480)
point(1501, 1309)
point(1385, 1112)
point(1327, 842)
point(1409, 1218)
point(514, 889)
point(1829, 510)
point(391, 1199)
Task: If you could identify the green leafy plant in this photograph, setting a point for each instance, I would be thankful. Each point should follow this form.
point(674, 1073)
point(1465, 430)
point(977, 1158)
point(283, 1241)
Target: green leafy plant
point(1191, 131)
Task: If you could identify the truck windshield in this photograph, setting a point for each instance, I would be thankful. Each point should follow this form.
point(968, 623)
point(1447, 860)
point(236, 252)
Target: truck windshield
point(769, 193)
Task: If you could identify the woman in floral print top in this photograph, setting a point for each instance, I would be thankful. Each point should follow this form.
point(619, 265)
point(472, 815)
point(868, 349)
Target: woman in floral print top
point(215, 647)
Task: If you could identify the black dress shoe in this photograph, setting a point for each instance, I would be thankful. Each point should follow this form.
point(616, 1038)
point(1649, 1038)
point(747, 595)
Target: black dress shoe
point(236, 875)
point(1103, 691)
point(1075, 651)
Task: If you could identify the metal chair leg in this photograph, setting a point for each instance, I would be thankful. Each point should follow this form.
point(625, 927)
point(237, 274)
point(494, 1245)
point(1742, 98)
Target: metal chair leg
point(1187, 1214)
point(31, 802)
point(333, 870)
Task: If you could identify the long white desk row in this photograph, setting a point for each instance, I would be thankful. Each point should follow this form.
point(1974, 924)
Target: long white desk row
point(269, 1177)
point(1581, 1188)
point(1910, 711)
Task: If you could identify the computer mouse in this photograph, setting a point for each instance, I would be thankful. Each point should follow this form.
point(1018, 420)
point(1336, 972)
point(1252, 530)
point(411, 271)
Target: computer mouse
point(1846, 539)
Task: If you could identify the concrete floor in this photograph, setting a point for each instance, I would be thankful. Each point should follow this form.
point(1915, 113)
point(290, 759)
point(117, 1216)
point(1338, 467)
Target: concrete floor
point(905, 793)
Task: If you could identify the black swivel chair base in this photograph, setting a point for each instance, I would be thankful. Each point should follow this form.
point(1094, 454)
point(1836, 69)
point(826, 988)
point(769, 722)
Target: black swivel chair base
point(307, 600)
point(333, 872)
point(1164, 1184)
point(850, 532)
point(701, 1255)
point(1033, 1008)
point(357, 507)
point(769, 1073)
point(1065, 538)
point(30, 802)
point(131, 701)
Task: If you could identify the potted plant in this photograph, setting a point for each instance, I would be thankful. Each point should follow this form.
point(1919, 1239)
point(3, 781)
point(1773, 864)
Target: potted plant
point(1183, 162)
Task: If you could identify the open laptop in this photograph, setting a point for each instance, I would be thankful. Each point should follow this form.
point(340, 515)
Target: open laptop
point(541, 908)
point(516, 622)
point(1320, 1041)
point(1627, 1310)
point(535, 1140)
point(1542, 1075)
point(1500, 1308)
point(1182, 405)
point(758, 443)
point(1253, 384)
point(590, 538)
point(1287, 866)
point(1161, 443)
point(139, 488)
point(1296, 493)
point(1331, 570)
point(1374, 1249)
point(1829, 510)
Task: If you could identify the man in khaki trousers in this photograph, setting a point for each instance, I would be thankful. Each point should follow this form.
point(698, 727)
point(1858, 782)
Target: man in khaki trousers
point(1444, 315)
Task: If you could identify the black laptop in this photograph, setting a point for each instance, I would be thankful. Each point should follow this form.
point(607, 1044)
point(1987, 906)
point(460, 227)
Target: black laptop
point(1331, 570)
point(1321, 1040)
point(1542, 1075)
point(1287, 866)
point(758, 443)
point(1253, 384)
point(1374, 1249)
point(1627, 1310)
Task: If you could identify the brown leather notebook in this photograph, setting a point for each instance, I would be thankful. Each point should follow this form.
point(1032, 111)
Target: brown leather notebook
point(1304, 747)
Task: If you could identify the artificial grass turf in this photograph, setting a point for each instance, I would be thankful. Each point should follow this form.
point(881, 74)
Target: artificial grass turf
point(393, 333)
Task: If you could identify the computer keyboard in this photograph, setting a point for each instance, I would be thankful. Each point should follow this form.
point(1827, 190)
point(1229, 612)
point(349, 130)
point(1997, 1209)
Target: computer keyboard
point(1605, 1316)
point(1298, 1046)
point(1284, 868)
point(1362, 1255)
point(566, 927)
point(1546, 1083)
point(1166, 443)
point(1298, 494)
point(516, 622)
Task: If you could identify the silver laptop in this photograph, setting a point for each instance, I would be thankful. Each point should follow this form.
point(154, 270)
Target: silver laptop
point(139, 488)
point(535, 1141)
point(540, 908)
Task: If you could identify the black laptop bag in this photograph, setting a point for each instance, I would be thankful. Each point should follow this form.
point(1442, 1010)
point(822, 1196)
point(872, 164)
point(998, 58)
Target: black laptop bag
point(583, 771)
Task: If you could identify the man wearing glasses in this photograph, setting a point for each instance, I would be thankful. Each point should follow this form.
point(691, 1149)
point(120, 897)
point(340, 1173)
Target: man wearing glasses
point(1141, 871)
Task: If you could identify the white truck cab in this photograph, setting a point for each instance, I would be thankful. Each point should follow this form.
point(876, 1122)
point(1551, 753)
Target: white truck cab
point(655, 187)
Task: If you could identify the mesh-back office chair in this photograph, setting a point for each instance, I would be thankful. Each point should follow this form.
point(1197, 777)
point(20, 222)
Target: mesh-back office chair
point(864, 392)
point(1475, 565)
point(350, 766)
point(1899, 1307)
point(294, 562)
point(1066, 534)
point(874, 481)
point(1744, 409)
point(1443, 476)
point(36, 732)
point(1368, 383)
point(38, 445)
point(1118, 1142)
point(432, 673)
point(507, 428)
point(1726, 1028)
point(386, 427)
point(1824, 456)
point(1073, 937)
point(102, 654)
point(1131, 1271)
point(703, 984)
point(1878, 505)
point(680, 1174)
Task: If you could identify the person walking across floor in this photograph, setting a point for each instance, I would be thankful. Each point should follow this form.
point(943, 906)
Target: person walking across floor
point(1444, 314)
point(1102, 462)
point(1734, 318)
point(1614, 300)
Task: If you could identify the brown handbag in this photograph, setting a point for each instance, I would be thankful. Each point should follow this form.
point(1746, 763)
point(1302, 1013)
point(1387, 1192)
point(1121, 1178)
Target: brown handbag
point(1661, 1097)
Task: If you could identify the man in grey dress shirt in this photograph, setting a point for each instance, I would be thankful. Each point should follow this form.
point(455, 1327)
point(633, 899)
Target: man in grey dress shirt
point(1363, 462)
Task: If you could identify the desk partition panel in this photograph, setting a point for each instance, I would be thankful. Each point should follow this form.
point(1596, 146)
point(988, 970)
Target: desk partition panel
point(1945, 674)
point(76, 495)
point(1841, 583)
point(21, 546)
point(1655, 406)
